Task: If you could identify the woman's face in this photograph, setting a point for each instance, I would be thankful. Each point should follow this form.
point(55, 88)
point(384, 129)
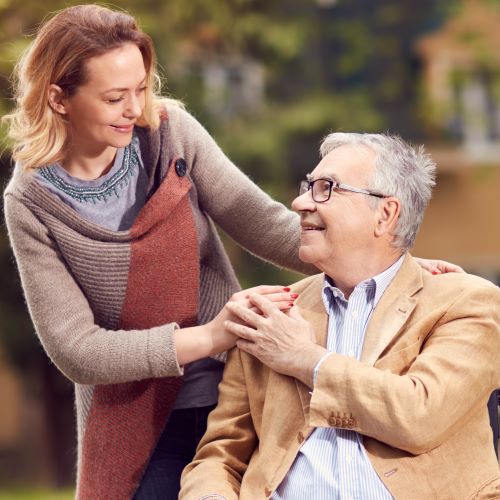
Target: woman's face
point(102, 112)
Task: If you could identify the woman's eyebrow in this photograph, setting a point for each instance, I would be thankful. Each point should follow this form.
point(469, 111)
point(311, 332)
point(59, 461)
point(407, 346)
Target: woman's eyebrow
point(124, 89)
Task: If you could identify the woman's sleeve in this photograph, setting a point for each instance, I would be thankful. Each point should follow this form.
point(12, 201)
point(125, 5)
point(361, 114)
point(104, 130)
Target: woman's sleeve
point(63, 319)
point(252, 218)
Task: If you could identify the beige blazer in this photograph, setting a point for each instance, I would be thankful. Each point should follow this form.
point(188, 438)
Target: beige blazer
point(430, 360)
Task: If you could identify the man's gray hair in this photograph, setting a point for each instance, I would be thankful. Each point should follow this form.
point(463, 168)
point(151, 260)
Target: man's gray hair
point(401, 170)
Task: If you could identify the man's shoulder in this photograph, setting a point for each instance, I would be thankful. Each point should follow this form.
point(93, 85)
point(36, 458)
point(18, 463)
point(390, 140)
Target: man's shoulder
point(457, 283)
point(310, 284)
point(412, 278)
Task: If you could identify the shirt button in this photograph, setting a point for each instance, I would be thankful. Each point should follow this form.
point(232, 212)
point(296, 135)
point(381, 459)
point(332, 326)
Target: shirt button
point(351, 354)
point(348, 459)
point(300, 437)
point(180, 167)
point(354, 314)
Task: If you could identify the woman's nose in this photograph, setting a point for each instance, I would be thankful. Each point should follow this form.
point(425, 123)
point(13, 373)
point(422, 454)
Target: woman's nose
point(134, 108)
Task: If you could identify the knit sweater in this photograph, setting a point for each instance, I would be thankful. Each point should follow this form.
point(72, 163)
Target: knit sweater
point(105, 303)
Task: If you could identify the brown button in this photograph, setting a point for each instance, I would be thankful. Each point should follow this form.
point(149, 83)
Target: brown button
point(351, 423)
point(267, 492)
point(332, 421)
point(345, 422)
point(300, 437)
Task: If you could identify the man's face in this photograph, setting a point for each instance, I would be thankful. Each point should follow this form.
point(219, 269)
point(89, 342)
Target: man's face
point(341, 228)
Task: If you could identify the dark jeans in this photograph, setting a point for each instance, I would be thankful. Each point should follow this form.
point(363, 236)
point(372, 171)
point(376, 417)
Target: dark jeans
point(174, 451)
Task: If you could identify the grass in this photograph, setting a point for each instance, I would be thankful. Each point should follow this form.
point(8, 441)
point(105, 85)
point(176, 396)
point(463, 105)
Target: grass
point(28, 494)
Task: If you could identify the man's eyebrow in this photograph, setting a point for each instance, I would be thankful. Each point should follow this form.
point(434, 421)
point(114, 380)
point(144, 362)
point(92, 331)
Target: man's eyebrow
point(331, 177)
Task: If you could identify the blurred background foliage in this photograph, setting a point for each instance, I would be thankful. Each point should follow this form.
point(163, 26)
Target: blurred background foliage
point(268, 78)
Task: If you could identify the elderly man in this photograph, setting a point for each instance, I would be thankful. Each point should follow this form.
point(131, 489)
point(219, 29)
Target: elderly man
point(374, 386)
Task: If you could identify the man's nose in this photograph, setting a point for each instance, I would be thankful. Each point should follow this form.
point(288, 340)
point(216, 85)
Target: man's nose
point(304, 203)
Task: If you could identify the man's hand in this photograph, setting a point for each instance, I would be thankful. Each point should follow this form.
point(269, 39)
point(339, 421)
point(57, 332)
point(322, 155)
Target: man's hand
point(283, 342)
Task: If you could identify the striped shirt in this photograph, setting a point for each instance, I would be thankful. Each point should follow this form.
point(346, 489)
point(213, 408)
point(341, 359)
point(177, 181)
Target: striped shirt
point(332, 463)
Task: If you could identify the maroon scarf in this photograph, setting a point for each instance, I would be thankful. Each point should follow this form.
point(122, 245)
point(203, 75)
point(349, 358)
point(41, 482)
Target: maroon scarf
point(126, 420)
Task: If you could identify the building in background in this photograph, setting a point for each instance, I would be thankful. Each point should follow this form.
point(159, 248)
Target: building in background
point(461, 83)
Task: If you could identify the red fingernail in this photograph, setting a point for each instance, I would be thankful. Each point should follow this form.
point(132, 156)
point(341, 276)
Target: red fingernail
point(294, 295)
point(286, 289)
point(436, 272)
point(290, 304)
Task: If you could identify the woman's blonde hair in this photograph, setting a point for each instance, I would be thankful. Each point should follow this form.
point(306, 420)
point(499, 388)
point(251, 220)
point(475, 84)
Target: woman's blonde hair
point(57, 56)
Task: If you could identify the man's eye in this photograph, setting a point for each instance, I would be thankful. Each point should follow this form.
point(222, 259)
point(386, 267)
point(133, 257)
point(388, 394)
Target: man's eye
point(324, 186)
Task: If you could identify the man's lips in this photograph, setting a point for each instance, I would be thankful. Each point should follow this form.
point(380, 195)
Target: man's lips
point(309, 226)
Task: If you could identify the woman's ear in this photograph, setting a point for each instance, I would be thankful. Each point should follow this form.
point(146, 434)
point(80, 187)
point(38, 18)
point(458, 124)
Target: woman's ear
point(57, 99)
point(388, 214)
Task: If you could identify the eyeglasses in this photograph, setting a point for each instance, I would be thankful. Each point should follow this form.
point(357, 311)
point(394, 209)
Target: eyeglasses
point(321, 189)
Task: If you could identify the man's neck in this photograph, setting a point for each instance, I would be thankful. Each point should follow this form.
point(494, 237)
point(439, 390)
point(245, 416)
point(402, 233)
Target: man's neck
point(347, 275)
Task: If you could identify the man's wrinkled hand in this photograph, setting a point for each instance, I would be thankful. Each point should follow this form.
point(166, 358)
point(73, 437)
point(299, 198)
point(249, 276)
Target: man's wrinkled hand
point(285, 342)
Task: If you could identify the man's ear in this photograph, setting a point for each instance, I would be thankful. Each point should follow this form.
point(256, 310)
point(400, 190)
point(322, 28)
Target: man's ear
point(388, 214)
point(57, 99)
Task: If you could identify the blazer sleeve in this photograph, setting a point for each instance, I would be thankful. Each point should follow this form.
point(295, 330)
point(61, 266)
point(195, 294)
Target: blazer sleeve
point(225, 450)
point(252, 218)
point(454, 373)
point(63, 319)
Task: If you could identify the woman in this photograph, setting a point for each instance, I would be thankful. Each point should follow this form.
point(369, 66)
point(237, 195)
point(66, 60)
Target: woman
point(110, 212)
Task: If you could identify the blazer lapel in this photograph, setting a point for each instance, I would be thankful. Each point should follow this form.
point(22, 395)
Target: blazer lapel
point(392, 311)
point(389, 316)
point(313, 310)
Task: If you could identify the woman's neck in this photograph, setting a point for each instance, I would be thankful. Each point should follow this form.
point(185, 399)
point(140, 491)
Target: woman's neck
point(89, 167)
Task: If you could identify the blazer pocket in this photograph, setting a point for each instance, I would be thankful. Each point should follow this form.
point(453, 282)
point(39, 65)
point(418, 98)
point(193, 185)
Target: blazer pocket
point(399, 361)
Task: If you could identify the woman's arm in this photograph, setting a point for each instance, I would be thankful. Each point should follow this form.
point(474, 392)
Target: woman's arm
point(85, 352)
point(252, 218)
point(64, 321)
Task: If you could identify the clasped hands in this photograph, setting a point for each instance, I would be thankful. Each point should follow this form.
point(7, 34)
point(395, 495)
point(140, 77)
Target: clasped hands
point(281, 339)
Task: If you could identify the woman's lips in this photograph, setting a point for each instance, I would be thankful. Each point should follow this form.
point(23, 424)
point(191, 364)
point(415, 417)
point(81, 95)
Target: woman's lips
point(125, 129)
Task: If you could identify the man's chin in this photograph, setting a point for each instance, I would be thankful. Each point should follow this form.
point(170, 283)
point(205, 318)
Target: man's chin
point(306, 255)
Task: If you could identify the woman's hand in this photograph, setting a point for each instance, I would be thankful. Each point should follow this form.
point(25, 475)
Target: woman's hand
point(438, 266)
point(278, 295)
point(206, 340)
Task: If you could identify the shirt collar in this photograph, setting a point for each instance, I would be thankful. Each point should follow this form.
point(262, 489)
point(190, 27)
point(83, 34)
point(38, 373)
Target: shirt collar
point(379, 282)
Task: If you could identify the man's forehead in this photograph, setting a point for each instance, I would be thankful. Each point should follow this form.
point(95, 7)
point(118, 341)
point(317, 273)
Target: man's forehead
point(345, 161)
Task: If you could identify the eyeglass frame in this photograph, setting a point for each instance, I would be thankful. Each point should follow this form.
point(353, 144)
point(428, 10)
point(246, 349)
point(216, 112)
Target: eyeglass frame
point(334, 185)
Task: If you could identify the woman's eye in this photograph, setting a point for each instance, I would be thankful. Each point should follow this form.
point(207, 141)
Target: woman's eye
point(115, 101)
